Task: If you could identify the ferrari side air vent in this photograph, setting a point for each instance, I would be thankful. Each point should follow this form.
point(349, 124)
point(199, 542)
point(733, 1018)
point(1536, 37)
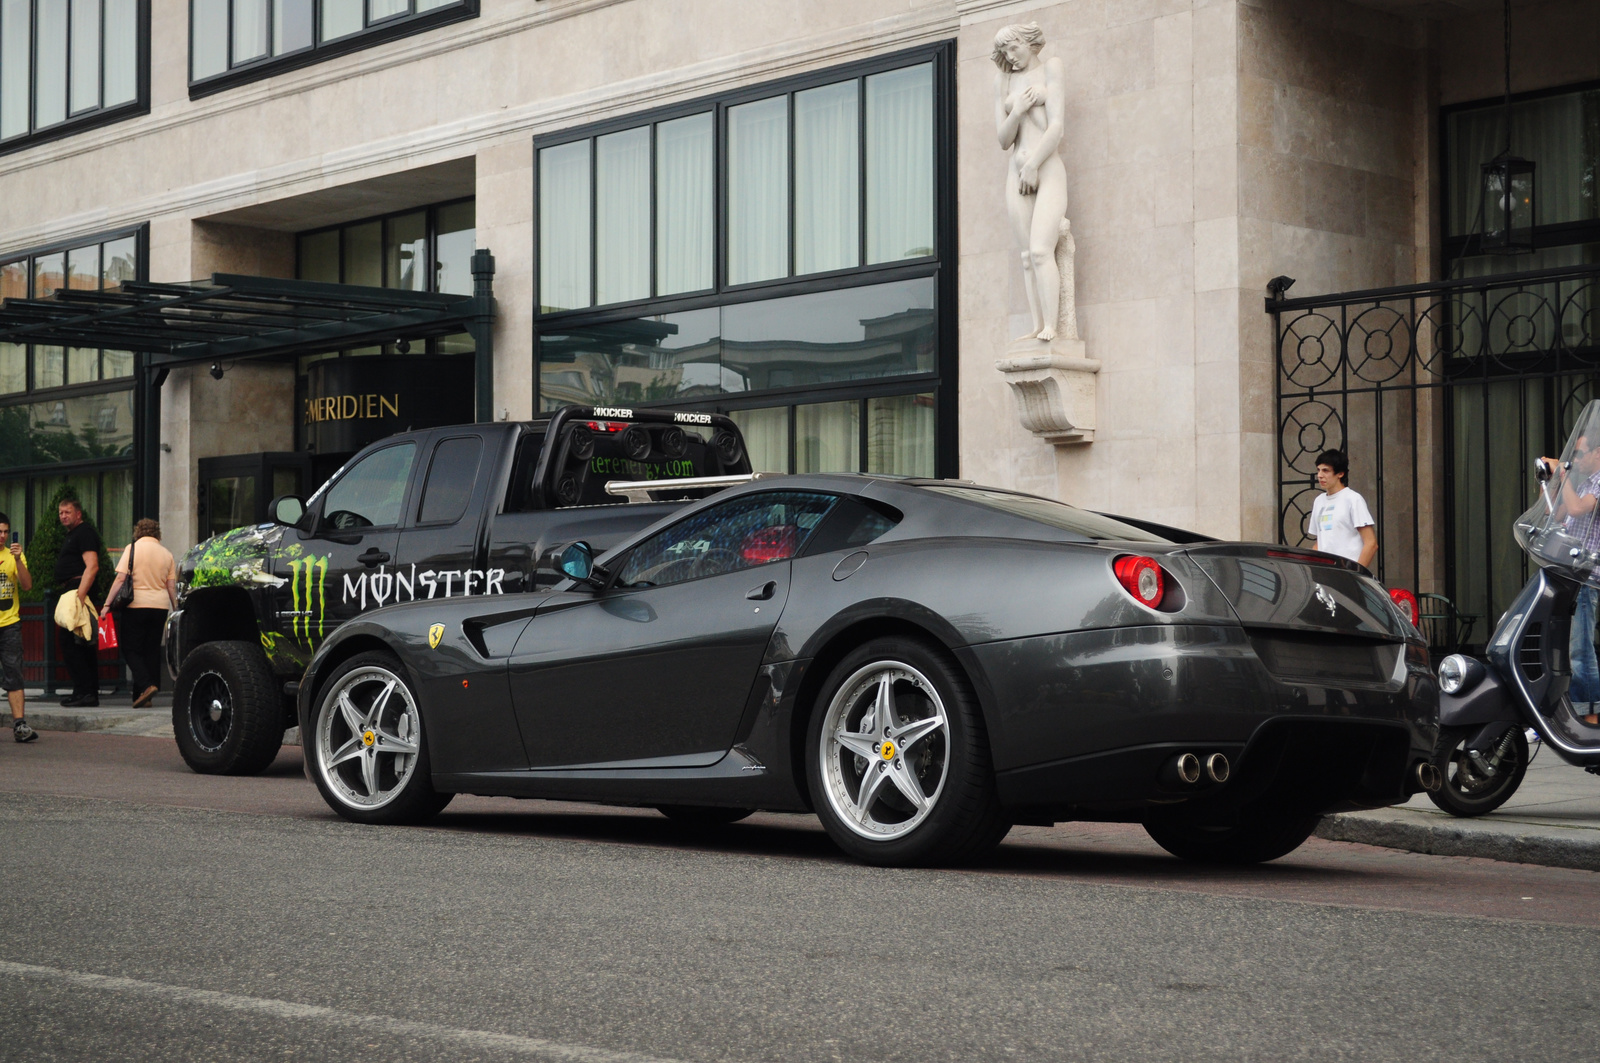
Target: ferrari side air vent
point(1529, 658)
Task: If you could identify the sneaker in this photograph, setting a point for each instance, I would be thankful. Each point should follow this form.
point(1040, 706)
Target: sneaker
point(22, 732)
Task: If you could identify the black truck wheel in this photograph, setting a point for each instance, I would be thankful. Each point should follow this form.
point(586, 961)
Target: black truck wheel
point(227, 712)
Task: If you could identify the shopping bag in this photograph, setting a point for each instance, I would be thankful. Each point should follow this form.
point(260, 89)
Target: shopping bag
point(108, 631)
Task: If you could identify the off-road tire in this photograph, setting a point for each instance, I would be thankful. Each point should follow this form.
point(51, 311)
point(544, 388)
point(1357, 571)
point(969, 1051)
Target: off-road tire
point(966, 820)
point(247, 733)
point(416, 800)
point(1262, 834)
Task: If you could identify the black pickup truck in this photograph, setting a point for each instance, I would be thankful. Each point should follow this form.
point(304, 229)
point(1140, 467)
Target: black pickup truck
point(447, 512)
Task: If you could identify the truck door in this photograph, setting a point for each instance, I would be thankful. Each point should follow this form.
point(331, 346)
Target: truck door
point(344, 565)
point(439, 550)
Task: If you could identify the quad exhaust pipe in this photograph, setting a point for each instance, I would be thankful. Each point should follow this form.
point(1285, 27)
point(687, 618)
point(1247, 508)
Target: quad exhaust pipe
point(1187, 769)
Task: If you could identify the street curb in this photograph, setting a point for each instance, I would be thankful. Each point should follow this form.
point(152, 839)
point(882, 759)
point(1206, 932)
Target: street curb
point(1463, 841)
point(57, 720)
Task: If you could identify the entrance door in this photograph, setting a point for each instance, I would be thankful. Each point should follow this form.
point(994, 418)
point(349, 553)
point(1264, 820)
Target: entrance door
point(344, 565)
point(662, 663)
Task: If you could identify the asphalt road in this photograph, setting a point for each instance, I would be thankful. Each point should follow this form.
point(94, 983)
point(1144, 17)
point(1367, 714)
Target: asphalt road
point(153, 914)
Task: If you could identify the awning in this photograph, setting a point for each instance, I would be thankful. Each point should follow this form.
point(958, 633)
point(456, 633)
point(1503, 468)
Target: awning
point(235, 316)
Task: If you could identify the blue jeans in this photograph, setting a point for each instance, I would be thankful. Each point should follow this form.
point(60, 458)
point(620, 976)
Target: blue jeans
point(1585, 669)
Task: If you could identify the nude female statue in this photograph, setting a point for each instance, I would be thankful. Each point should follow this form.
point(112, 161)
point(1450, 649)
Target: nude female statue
point(1029, 102)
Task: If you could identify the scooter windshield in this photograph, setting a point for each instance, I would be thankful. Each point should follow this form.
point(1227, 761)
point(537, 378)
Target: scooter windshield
point(1562, 529)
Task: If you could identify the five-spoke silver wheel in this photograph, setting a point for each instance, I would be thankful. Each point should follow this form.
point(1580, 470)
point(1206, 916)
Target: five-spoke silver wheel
point(368, 737)
point(885, 746)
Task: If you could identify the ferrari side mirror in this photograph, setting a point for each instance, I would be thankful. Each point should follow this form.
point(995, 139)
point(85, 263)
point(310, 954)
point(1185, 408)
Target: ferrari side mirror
point(577, 562)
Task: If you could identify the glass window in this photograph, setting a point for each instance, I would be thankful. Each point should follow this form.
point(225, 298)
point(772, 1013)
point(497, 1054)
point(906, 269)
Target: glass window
point(1560, 133)
point(319, 257)
point(622, 216)
point(119, 261)
point(450, 480)
point(371, 493)
point(14, 279)
point(83, 268)
point(122, 51)
point(363, 254)
point(83, 365)
point(49, 367)
point(648, 359)
point(13, 368)
point(116, 364)
point(851, 524)
point(208, 28)
point(292, 27)
point(827, 437)
point(50, 63)
point(564, 226)
point(766, 437)
point(382, 9)
point(16, 33)
point(230, 503)
point(827, 192)
point(79, 428)
point(340, 18)
point(249, 30)
point(116, 506)
point(684, 205)
point(49, 274)
point(900, 435)
point(900, 164)
point(741, 533)
point(758, 190)
point(85, 55)
point(406, 252)
point(457, 239)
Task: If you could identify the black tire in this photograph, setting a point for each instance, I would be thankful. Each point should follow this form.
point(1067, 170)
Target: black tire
point(1261, 834)
point(403, 786)
point(1466, 791)
point(962, 819)
point(704, 816)
point(227, 709)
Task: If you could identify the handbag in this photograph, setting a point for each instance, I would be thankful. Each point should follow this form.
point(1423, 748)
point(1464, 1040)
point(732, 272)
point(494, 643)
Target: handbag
point(108, 631)
point(124, 593)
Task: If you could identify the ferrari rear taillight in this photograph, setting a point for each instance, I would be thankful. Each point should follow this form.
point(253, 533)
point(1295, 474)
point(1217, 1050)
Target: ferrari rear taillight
point(1142, 578)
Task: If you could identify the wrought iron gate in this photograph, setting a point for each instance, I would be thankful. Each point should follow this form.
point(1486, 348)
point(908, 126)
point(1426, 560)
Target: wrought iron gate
point(1441, 394)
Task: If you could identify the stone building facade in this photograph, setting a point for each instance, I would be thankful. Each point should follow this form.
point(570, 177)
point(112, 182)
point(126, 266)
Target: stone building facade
point(1209, 147)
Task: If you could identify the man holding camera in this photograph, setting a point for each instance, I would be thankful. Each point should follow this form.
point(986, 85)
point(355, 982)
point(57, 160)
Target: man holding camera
point(14, 579)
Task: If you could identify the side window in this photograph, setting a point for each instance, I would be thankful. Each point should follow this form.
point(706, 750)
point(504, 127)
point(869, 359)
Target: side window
point(851, 525)
point(371, 493)
point(742, 533)
point(451, 477)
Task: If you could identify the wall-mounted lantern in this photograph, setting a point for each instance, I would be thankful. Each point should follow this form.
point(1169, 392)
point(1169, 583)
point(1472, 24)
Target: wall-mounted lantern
point(1508, 202)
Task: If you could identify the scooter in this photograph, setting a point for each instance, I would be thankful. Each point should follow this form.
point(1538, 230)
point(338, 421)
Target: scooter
point(1487, 705)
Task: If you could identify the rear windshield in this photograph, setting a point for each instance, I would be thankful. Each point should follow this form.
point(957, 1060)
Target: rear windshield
point(1055, 514)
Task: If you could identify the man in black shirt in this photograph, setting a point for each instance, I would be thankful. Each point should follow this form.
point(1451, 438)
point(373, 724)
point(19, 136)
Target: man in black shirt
point(76, 568)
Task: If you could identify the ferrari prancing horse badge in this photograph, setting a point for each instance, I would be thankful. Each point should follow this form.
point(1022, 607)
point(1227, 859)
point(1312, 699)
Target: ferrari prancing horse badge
point(435, 633)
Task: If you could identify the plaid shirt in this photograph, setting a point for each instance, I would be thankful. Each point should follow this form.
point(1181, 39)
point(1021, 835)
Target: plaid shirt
point(1587, 524)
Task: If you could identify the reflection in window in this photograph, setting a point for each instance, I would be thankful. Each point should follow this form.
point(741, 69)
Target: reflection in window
point(80, 428)
point(867, 333)
point(89, 267)
point(96, 40)
point(406, 252)
point(454, 242)
point(262, 29)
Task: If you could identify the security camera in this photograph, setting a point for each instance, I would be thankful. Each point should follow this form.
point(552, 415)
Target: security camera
point(216, 370)
point(1278, 285)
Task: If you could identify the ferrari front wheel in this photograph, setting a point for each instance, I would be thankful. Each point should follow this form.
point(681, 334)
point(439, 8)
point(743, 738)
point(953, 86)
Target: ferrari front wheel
point(898, 759)
point(369, 759)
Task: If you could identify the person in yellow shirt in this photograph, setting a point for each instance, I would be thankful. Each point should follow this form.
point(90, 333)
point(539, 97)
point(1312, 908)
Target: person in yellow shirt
point(14, 579)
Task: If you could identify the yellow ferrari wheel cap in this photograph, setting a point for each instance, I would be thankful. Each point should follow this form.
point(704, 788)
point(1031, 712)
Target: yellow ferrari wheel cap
point(369, 737)
point(435, 633)
point(888, 751)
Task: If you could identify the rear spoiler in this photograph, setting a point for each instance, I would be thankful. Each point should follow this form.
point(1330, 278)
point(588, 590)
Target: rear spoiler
point(642, 490)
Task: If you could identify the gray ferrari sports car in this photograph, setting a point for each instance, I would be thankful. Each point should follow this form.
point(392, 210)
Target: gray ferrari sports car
point(920, 663)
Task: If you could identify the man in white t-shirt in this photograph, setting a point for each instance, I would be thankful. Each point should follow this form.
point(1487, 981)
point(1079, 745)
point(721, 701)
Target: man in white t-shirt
point(1339, 517)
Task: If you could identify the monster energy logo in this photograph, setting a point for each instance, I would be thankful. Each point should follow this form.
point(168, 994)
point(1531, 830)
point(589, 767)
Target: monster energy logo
point(401, 585)
point(302, 570)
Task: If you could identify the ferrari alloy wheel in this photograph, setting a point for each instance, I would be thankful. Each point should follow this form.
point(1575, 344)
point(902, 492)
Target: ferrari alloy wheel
point(899, 763)
point(370, 761)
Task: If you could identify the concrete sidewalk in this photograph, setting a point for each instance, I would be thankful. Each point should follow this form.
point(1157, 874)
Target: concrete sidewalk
point(1553, 819)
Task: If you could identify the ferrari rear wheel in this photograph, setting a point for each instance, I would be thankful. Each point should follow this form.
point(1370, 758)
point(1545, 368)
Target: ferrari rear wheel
point(898, 759)
point(369, 758)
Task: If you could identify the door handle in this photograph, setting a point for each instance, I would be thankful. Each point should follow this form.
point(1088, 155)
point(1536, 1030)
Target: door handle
point(762, 593)
point(373, 556)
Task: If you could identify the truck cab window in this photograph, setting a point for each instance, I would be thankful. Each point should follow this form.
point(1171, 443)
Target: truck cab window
point(451, 477)
point(371, 493)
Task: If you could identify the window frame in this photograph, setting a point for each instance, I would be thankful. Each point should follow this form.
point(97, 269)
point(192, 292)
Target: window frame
point(390, 28)
point(83, 121)
point(1556, 234)
point(941, 266)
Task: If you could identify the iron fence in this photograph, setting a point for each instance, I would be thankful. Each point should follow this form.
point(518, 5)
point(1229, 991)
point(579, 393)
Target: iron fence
point(1441, 394)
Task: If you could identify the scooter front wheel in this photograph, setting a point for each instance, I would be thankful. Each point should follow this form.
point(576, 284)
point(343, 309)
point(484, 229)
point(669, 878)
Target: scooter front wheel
point(1478, 783)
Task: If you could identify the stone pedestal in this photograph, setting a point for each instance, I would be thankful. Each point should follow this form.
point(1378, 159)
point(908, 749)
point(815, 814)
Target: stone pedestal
point(1054, 387)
